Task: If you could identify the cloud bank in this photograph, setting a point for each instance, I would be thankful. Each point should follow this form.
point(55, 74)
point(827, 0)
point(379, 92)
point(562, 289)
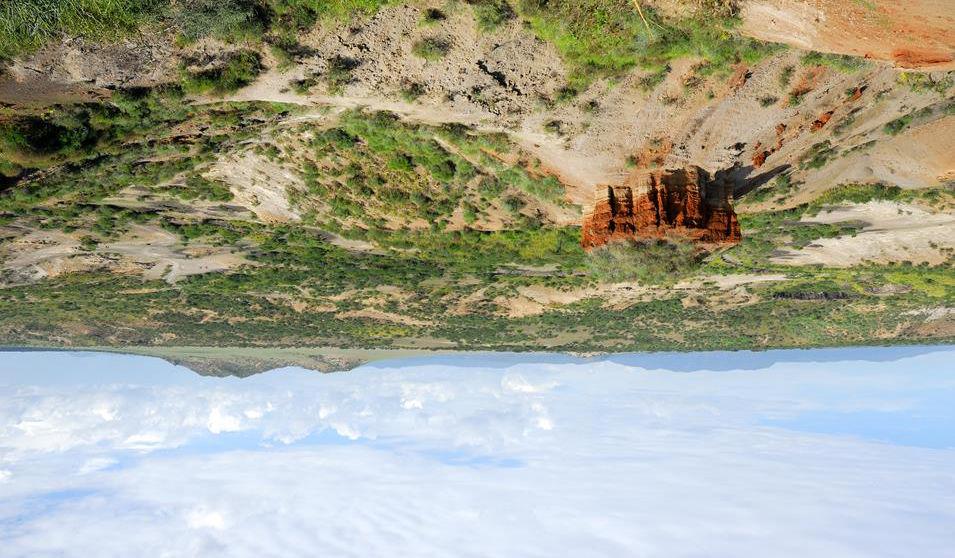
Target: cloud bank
point(103, 455)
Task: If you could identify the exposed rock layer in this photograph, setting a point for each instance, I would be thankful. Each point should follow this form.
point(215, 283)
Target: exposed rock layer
point(655, 204)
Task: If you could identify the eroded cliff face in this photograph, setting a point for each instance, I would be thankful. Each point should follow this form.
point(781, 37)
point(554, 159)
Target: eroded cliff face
point(660, 203)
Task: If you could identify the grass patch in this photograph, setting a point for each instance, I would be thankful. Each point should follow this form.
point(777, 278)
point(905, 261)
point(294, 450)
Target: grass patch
point(26, 25)
point(198, 187)
point(373, 169)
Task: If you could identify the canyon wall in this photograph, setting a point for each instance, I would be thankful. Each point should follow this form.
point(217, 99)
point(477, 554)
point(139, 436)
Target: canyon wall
point(660, 203)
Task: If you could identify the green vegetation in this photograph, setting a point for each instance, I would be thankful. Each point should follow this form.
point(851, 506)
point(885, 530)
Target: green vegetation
point(432, 16)
point(382, 174)
point(839, 62)
point(818, 155)
point(899, 125)
point(237, 71)
point(197, 187)
point(338, 74)
point(925, 82)
point(62, 134)
point(411, 91)
point(130, 140)
point(491, 14)
point(863, 193)
point(431, 48)
point(780, 188)
point(795, 97)
point(28, 24)
point(651, 262)
point(845, 123)
point(227, 20)
point(786, 76)
point(443, 228)
point(599, 38)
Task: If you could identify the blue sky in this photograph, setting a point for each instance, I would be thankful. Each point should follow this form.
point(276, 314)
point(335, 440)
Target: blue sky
point(782, 453)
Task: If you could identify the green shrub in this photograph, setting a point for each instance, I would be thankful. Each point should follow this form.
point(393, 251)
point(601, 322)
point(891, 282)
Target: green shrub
point(432, 16)
point(859, 193)
point(240, 69)
point(491, 14)
point(197, 187)
point(795, 97)
point(921, 83)
point(88, 243)
point(845, 124)
point(339, 72)
point(229, 20)
point(786, 76)
point(650, 81)
point(896, 126)
point(411, 91)
point(42, 136)
point(817, 156)
point(9, 169)
point(430, 48)
point(839, 62)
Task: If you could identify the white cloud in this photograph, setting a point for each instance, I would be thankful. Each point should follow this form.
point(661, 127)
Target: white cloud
point(221, 421)
point(95, 464)
point(515, 459)
point(201, 518)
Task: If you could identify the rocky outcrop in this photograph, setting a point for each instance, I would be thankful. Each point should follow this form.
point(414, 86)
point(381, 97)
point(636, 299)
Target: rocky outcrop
point(659, 203)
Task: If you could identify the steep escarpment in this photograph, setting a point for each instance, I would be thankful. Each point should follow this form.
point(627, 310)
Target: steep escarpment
point(655, 204)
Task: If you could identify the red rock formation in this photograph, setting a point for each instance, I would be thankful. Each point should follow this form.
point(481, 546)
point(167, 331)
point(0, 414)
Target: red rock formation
point(759, 157)
point(823, 119)
point(655, 204)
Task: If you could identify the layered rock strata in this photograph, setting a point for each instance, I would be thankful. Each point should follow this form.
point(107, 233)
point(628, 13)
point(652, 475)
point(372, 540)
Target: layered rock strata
point(660, 203)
